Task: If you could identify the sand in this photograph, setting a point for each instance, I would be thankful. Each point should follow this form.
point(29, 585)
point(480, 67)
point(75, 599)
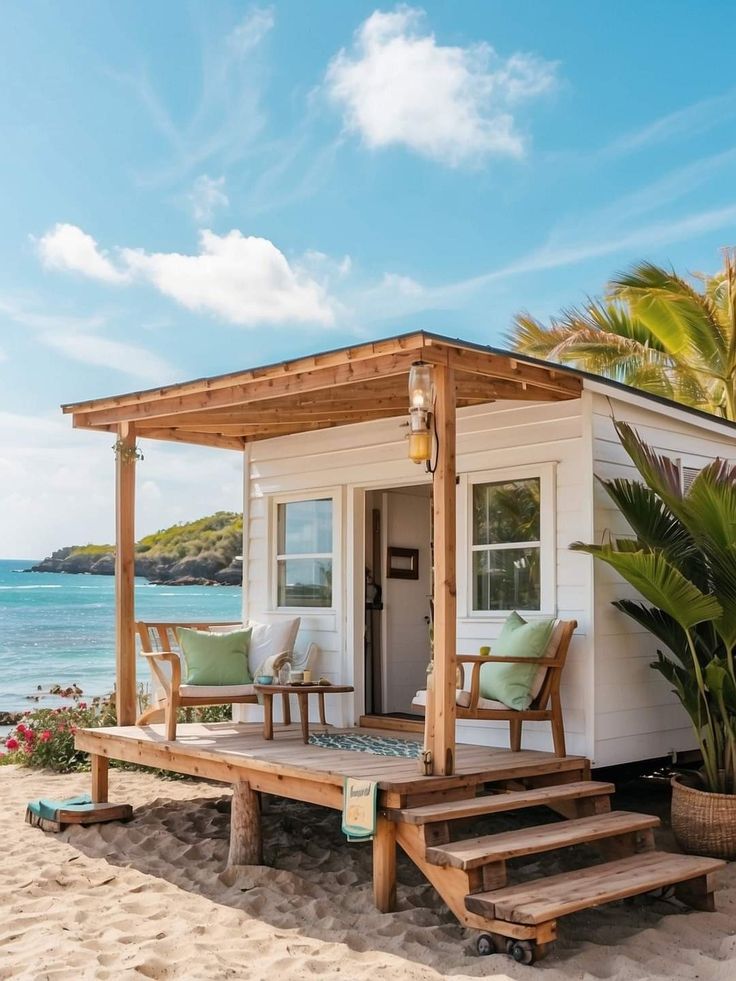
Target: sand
point(144, 900)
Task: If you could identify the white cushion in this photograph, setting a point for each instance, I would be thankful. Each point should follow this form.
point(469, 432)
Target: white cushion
point(214, 691)
point(269, 639)
point(491, 703)
point(461, 697)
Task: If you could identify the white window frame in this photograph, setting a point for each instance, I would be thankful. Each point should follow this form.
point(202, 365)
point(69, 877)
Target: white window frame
point(545, 473)
point(316, 495)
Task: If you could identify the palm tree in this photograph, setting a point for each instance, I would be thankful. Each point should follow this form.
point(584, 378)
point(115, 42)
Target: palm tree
point(653, 330)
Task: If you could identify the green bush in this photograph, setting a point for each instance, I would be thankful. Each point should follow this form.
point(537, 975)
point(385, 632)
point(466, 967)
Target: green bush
point(45, 736)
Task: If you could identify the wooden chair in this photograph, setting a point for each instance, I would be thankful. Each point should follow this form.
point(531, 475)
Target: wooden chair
point(160, 646)
point(545, 706)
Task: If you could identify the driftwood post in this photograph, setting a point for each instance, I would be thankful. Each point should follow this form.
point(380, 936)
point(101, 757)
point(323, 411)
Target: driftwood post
point(246, 841)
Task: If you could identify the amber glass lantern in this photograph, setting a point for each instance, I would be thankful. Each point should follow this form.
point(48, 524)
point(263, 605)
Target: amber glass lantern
point(421, 404)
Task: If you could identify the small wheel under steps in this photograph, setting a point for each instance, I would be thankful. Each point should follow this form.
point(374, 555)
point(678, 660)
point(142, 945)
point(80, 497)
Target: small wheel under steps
point(521, 951)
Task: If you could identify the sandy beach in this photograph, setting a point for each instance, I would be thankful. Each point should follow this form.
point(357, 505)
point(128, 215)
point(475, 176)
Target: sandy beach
point(144, 899)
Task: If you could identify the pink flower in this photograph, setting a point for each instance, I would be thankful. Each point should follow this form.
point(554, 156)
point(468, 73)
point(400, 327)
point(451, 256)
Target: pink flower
point(45, 735)
point(29, 735)
point(82, 705)
point(20, 728)
point(12, 743)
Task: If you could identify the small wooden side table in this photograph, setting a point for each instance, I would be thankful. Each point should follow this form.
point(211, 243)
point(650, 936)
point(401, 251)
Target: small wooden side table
point(302, 693)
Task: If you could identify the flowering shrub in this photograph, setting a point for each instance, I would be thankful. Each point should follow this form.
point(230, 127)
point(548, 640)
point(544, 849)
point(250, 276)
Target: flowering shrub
point(45, 736)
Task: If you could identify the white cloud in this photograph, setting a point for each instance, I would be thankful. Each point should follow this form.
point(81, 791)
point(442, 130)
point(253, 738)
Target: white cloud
point(68, 247)
point(452, 104)
point(206, 197)
point(244, 279)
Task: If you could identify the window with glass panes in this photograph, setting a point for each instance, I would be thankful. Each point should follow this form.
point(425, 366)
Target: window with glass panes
point(304, 553)
point(506, 545)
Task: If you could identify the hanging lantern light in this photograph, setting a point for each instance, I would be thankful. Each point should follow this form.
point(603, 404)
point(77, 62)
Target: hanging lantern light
point(421, 405)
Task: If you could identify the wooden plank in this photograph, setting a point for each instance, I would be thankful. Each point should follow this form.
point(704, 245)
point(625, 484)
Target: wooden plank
point(547, 899)
point(395, 725)
point(441, 732)
point(125, 575)
point(498, 803)
point(474, 852)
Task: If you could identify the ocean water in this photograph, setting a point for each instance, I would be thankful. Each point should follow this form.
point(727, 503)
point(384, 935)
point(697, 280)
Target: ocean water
point(57, 628)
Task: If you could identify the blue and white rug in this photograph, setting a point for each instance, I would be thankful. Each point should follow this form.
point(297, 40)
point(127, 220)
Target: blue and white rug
point(361, 743)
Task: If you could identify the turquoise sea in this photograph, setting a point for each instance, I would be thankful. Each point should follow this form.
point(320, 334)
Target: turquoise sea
point(57, 628)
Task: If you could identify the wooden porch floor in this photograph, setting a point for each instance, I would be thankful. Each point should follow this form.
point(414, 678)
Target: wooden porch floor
point(286, 766)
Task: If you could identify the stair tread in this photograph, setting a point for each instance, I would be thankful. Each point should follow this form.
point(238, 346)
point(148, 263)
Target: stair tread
point(496, 803)
point(541, 900)
point(473, 852)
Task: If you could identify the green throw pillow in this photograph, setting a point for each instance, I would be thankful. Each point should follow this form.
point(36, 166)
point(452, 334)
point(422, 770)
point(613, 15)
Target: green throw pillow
point(215, 659)
point(512, 683)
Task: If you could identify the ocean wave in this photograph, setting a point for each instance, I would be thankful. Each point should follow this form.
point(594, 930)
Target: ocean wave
point(45, 586)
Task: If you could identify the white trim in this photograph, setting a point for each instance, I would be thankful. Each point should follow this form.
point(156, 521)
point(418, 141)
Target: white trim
point(590, 708)
point(547, 544)
point(333, 494)
point(245, 588)
point(670, 410)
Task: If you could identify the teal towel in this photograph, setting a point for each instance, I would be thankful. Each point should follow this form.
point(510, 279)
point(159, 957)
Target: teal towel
point(48, 809)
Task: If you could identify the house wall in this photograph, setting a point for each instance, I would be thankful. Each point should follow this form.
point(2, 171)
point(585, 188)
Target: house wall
point(637, 716)
point(347, 460)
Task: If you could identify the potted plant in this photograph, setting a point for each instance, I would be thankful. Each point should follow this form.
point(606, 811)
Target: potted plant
point(681, 557)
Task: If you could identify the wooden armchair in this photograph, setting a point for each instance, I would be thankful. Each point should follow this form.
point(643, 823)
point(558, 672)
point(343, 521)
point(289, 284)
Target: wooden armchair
point(160, 646)
point(545, 706)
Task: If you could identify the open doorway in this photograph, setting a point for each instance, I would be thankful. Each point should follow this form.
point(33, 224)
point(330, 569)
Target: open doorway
point(398, 593)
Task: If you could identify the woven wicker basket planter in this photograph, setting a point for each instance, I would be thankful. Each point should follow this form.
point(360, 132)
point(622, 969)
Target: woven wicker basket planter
point(704, 823)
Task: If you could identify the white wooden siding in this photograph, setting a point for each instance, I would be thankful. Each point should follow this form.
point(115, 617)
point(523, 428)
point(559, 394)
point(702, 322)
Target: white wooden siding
point(636, 715)
point(499, 436)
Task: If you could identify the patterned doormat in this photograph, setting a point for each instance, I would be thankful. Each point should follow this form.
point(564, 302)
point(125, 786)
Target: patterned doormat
point(360, 743)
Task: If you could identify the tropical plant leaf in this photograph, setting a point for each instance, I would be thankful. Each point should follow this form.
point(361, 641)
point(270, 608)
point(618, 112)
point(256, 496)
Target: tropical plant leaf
point(664, 627)
point(660, 473)
point(684, 686)
point(656, 527)
point(659, 582)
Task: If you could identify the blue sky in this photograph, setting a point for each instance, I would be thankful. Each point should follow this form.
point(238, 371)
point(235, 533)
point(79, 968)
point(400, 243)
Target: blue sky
point(193, 188)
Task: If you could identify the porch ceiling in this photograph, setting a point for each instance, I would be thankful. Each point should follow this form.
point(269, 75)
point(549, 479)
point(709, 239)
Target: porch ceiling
point(355, 384)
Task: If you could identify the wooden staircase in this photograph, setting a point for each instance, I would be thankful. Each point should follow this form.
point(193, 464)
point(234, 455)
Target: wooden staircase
point(471, 874)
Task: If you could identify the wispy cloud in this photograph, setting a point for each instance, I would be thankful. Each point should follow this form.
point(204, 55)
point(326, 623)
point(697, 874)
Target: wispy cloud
point(78, 339)
point(398, 86)
point(689, 121)
point(206, 197)
point(228, 116)
point(397, 295)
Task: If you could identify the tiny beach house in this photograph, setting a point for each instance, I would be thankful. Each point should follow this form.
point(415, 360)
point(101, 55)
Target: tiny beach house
point(339, 529)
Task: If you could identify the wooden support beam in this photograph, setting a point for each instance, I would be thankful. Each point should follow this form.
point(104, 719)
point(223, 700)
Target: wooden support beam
point(125, 575)
point(441, 730)
point(384, 865)
point(100, 768)
point(153, 405)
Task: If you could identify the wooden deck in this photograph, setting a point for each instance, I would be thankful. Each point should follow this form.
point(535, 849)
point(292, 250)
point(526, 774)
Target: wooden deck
point(420, 814)
point(233, 752)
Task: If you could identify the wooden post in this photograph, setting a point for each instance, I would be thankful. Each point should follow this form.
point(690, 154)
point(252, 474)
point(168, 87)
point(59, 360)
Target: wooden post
point(125, 575)
point(99, 778)
point(441, 712)
point(384, 865)
point(246, 842)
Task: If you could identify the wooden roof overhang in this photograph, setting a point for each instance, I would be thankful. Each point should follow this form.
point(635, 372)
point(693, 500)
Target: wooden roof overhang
point(350, 385)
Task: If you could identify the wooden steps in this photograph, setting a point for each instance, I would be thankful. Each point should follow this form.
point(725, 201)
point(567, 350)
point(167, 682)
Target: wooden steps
point(497, 803)
point(471, 874)
point(475, 852)
point(542, 900)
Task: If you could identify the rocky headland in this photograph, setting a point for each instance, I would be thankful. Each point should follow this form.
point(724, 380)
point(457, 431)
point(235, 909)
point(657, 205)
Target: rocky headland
point(205, 552)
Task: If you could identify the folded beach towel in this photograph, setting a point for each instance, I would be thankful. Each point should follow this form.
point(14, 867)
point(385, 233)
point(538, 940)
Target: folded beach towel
point(49, 809)
point(359, 809)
